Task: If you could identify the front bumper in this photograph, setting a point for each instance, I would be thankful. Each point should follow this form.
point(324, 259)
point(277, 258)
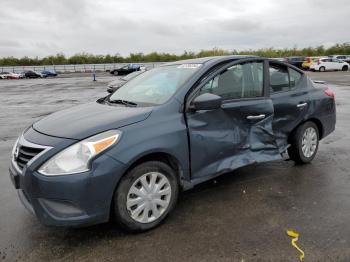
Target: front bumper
point(68, 200)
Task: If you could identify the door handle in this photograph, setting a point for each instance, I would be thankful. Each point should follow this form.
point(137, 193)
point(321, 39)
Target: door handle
point(256, 117)
point(301, 105)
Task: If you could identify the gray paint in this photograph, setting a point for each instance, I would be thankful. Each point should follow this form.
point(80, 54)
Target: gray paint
point(86, 120)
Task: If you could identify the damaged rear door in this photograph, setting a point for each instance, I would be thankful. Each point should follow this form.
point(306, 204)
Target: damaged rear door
point(240, 132)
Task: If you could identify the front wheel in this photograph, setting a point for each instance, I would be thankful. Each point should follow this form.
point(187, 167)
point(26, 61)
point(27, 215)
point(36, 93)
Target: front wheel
point(115, 73)
point(344, 68)
point(304, 143)
point(145, 196)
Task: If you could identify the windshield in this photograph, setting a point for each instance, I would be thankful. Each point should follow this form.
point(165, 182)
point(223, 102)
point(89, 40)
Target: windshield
point(156, 86)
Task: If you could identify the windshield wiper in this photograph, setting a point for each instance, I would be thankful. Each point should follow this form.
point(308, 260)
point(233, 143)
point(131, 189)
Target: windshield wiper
point(123, 102)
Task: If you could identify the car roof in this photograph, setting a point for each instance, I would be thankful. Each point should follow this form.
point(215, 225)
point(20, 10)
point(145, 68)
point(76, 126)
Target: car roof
point(204, 60)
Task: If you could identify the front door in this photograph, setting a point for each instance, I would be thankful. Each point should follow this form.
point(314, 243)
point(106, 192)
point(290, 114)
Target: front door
point(240, 132)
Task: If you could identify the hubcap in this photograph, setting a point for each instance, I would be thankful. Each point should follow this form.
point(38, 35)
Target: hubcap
point(149, 197)
point(309, 142)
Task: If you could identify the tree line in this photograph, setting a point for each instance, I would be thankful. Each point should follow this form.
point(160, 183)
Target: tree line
point(86, 58)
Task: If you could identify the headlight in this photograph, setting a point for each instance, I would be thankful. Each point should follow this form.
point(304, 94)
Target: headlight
point(76, 158)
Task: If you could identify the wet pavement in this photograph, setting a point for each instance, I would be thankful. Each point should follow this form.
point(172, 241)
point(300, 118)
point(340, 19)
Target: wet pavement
point(241, 216)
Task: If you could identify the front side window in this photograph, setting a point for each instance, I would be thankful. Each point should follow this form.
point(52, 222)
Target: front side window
point(156, 86)
point(238, 81)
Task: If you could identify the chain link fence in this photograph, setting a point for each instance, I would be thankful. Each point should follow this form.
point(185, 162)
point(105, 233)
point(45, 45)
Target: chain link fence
point(73, 68)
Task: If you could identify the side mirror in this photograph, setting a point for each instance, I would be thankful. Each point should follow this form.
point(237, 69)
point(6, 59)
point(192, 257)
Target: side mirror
point(206, 102)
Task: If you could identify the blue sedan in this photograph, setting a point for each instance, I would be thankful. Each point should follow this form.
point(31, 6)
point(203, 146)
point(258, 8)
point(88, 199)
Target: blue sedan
point(47, 73)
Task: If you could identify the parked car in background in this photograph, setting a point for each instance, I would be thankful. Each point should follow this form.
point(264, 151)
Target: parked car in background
point(126, 69)
point(281, 59)
point(114, 85)
point(14, 76)
point(48, 73)
point(309, 60)
point(128, 155)
point(32, 74)
point(329, 64)
point(4, 75)
point(345, 58)
point(10, 75)
point(295, 60)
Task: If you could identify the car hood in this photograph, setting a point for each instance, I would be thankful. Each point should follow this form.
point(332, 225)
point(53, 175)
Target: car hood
point(86, 120)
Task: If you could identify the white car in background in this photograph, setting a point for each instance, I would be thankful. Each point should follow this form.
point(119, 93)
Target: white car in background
point(10, 75)
point(345, 58)
point(325, 64)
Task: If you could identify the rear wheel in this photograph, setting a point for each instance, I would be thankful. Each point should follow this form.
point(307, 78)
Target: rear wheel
point(145, 196)
point(304, 143)
point(322, 69)
point(344, 68)
point(115, 73)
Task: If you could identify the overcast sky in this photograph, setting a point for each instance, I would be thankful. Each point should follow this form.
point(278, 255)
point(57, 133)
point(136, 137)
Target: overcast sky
point(45, 27)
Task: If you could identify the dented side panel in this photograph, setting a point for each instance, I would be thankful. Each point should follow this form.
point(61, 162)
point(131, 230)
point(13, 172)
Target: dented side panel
point(224, 139)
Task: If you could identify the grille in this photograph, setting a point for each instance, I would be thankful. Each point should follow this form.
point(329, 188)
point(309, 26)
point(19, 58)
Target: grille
point(25, 154)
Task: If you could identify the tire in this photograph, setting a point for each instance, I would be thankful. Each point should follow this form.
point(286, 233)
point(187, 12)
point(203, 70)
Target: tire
point(300, 143)
point(344, 68)
point(131, 188)
point(115, 73)
point(322, 69)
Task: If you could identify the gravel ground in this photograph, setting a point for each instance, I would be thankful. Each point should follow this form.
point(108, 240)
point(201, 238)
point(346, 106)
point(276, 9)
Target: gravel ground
point(241, 216)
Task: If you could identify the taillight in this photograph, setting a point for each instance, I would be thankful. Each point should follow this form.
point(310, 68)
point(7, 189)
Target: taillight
point(329, 92)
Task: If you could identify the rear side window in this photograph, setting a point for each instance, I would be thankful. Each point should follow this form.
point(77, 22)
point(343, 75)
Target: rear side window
point(239, 81)
point(283, 78)
point(294, 77)
point(279, 78)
